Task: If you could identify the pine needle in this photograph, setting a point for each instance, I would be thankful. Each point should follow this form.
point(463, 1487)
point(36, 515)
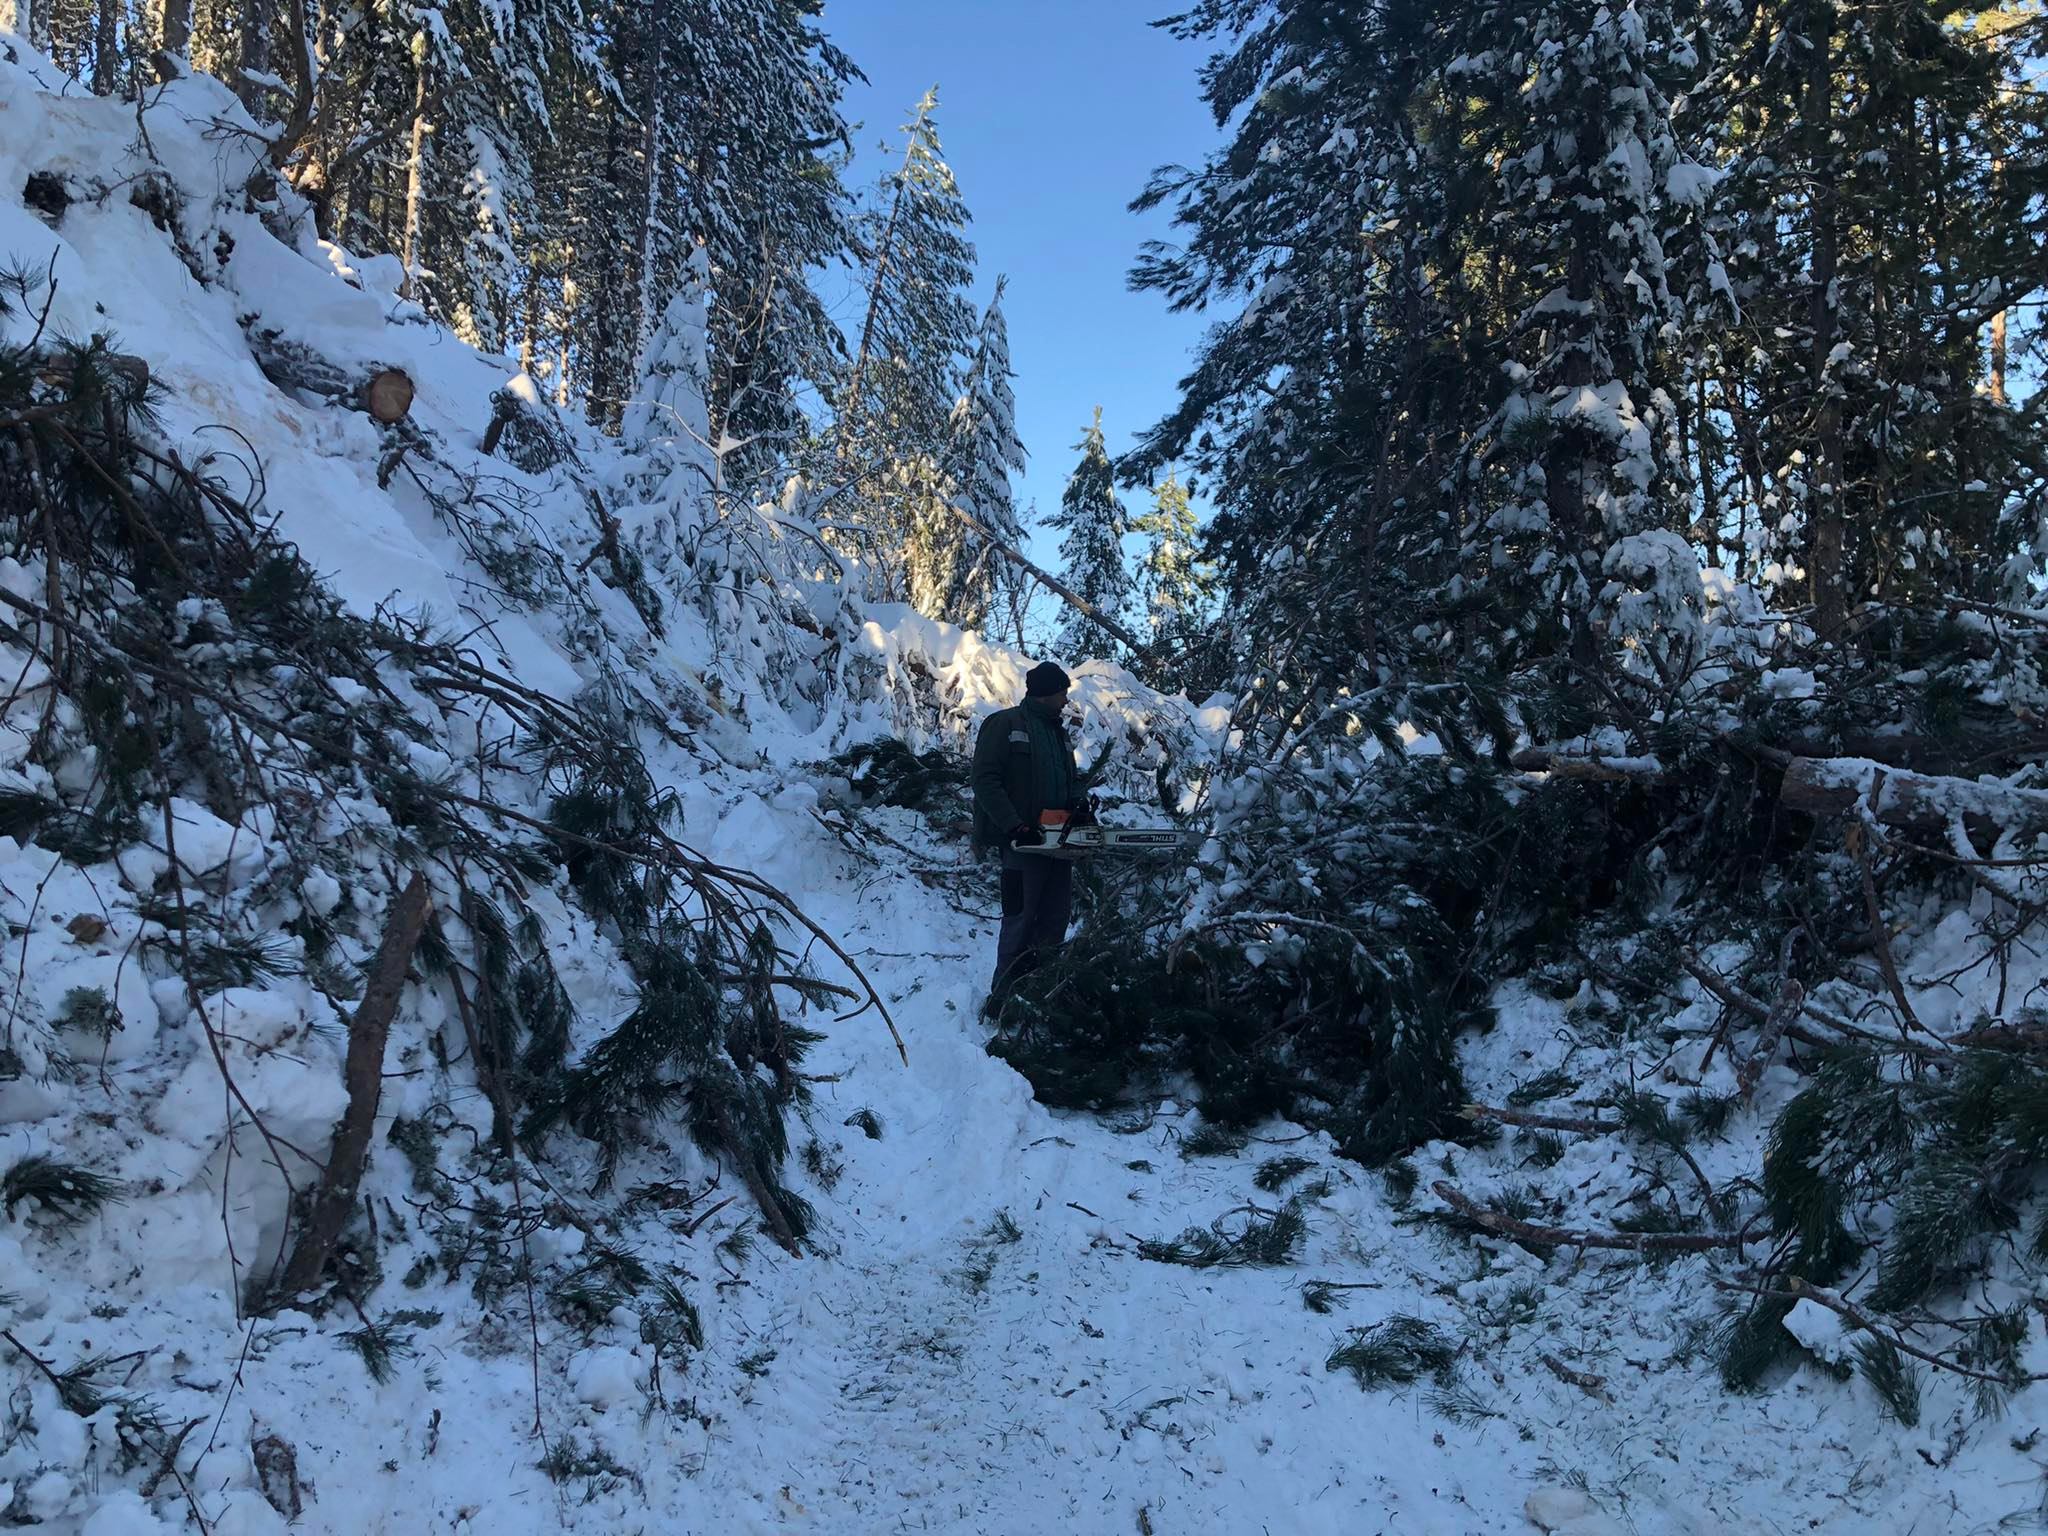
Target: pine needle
point(65, 1190)
point(1398, 1352)
point(1267, 1239)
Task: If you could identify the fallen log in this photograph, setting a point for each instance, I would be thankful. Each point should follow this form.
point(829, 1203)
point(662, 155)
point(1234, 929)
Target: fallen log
point(1972, 748)
point(1530, 1120)
point(1595, 767)
point(1734, 998)
point(1530, 1234)
point(328, 1211)
point(387, 395)
point(1922, 802)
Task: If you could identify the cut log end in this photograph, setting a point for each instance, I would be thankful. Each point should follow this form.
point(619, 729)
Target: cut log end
point(388, 396)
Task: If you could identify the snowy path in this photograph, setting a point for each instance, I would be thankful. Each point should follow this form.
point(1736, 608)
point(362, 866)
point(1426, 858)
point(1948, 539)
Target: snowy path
point(939, 1371)
point(947, 1372)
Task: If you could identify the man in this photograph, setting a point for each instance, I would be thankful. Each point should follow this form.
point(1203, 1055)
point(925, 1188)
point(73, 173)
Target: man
point(1023, 768)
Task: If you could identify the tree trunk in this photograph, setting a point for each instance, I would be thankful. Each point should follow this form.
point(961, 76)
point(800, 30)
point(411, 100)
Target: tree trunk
point(415, 172)
point(562, 341)
point(1568, 464)
point(1917, 801)
point(1051, 584)
point(650, 213)
point(22, 18)
point(1829, 577)
point(255, 56)
point(106, 49)
point(175, 32)
point(529, 309)
point(332, 1202)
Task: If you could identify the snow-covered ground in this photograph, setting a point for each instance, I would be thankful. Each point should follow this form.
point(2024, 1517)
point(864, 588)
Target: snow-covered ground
point(974, 1342)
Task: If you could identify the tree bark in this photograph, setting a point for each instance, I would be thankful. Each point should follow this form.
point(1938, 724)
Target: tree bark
point(175, 34)
point(1531, 1120)
point(106, 49)
point(328, 1211)
point(1590, 766)
point(22, 18)
point(255, 55)
point(1922, 802)
point(650, 213)
point(1532, 1235)
point(1829, 577)
point(416, 172)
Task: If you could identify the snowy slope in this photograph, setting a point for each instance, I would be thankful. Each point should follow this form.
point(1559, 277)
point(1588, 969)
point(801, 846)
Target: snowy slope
point(973, 1342)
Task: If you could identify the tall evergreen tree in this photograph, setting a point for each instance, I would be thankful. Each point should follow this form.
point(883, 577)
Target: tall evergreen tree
point(1092, 524)
point(1584, 489)
point(1171, 582)
point(961, 572)
point(896, 406)
point(1331, 417)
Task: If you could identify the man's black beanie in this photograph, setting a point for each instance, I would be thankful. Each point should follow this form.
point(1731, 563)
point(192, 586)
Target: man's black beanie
point(1044, 679)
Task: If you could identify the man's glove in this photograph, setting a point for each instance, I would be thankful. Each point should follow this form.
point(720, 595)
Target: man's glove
point(1024, 835)
point(1084, 813)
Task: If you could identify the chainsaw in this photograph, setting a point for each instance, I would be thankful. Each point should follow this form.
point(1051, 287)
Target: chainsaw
point(1065, 840)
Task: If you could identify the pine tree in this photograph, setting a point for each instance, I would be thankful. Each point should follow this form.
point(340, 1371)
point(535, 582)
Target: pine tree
point(1585, 489)
point(1092, 523)
point(1878, 222)
point(983, 452)
point(1332, 417)
point(1171, 581)
point(895, 409)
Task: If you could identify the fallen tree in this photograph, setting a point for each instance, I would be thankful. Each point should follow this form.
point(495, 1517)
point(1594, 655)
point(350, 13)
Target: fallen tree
point(1917, 801)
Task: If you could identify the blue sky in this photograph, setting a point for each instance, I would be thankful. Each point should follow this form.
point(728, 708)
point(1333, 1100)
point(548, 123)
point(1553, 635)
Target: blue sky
point(1052, 112)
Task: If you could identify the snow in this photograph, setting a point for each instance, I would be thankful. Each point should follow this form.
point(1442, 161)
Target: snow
point(920, 1368)
point(1819, 1329)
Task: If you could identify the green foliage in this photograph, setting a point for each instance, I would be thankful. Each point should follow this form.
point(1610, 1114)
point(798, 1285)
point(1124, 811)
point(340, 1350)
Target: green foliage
point(669, 1321)
point(569, 1459)
point(420, 1141)
point(821, 1165)
point(1212, 1141)
point(1398, 1352)
point(1326, 1296)
point(1276, 1173)
point(1752, 1342)
point(1554, 1084)
point(1004, 1229)
point(89, 1011)
point(1707, 1113)
point(888, 771)
point(1895, 1379)
point(381, 1345)
point(1402, 1178)
point(64, 1190)
point(1262, 1238)
point(1952, 1154)
point(867, 1122)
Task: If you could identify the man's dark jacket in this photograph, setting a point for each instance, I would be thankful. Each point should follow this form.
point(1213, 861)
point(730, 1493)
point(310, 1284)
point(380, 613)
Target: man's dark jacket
point(1023, 764)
